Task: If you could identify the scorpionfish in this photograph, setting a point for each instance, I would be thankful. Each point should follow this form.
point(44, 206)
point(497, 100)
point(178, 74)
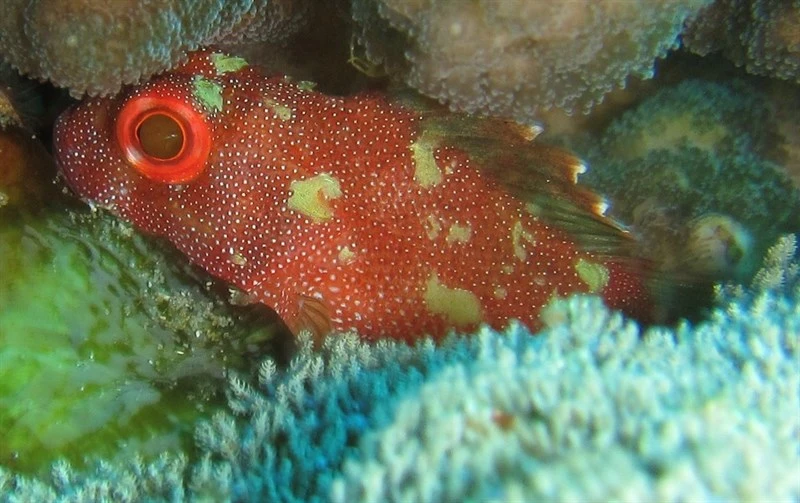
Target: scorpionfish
point(386, 216)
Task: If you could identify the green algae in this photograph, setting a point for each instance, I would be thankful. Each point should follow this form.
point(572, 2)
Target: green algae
point(109, 343)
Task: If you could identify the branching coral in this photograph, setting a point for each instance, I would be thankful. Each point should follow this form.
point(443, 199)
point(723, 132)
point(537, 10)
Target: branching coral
point(513, 58)
point(761, 35)
point(94, 46)
point(590, 409)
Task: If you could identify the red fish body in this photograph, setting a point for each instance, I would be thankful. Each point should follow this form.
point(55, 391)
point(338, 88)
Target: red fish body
point(340, 212)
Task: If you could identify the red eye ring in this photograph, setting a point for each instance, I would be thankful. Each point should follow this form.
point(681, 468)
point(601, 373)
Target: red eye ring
point(192, 154)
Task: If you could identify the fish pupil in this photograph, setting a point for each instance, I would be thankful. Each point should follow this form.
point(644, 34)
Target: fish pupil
point(160, 136)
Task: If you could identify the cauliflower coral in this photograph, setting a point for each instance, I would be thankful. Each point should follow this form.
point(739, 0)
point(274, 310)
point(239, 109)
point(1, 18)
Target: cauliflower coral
point(761, 35)
point(515, 57)
point(94, 46)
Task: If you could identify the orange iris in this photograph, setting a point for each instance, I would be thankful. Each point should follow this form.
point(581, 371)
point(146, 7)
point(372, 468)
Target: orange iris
point(164, 138)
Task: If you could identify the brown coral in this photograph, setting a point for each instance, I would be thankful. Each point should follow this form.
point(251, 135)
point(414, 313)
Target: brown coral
point(21, 155)
point(761, 35)
point(95, 46)
point(515, 57)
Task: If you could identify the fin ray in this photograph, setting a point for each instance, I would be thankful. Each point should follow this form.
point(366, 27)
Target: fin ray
point(313, 314)
point(544, 176)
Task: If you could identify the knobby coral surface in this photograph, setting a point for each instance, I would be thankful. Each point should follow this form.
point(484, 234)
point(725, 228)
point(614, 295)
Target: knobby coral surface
point(761, 35)
point(515, 57)
point(590, 409)
point(94, 47)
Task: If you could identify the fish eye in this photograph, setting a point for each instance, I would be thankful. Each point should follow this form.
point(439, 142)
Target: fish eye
point(163, 138)
point(160, 136)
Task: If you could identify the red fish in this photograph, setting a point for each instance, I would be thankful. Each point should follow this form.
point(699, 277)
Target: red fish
point(348, 212)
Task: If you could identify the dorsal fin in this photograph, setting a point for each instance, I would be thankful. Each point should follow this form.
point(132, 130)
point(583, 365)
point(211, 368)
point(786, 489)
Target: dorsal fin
point(546, 178)
point(543, 176)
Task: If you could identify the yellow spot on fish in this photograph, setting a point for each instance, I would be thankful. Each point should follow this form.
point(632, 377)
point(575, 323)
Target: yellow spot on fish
point(312, 196)
point(507, 269)
point(594, 275)
point(208, 93)
point(426, 171)
point(534, 209)
point(432, 227)
point(346, 255)
point(500, 292)
point(238, 259)
point(224, 63)
point(306, 85)
point(458, 306)
point(458, 233)
point(282, 112)
point(519, 236)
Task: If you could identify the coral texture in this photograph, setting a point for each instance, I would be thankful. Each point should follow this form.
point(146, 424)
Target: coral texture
point(761, 35)
point(94, 47)
point(589, 409)
point(692, 151)
point(102, 341)
point(515, 57)
point(21, 160)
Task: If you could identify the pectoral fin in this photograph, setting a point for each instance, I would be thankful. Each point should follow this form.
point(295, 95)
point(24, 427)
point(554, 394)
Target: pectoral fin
point(313, 314)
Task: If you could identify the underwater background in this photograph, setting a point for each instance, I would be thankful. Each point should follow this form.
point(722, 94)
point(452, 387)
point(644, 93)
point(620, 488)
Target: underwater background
point(127, 374)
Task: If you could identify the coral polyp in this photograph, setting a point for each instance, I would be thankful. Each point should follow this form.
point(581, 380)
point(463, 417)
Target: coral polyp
point(516, 57)
point(95, 47)
point(719, 246)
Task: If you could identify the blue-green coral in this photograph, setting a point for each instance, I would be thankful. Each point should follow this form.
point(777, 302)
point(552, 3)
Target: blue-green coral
point(516, 57)
point(592, 408)
point(692, 150)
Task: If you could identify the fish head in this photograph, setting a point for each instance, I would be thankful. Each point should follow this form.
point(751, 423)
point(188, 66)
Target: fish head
point(158, 154)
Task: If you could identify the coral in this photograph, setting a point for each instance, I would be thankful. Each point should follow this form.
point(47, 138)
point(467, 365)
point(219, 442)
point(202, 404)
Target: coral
point(102, 341)
point(761, 35)
point(690, 152)
point(590, 409)
point(594, 410)
point(717, 244)
point(513, 58)
point(95, 46)
point(9, 116)
point(21, 159)
point(786, 97)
